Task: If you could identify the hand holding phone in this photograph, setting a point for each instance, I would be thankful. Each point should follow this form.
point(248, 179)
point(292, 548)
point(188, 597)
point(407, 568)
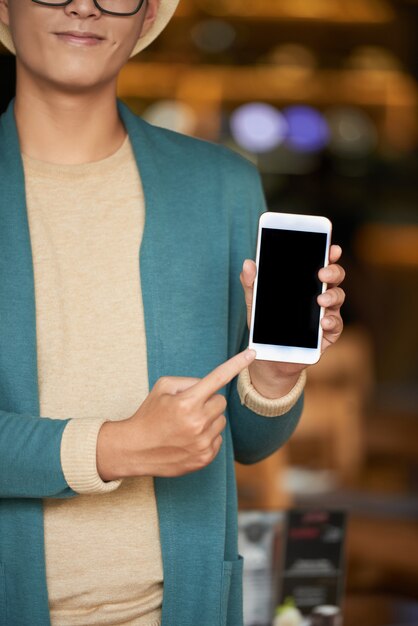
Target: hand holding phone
point(286, 317)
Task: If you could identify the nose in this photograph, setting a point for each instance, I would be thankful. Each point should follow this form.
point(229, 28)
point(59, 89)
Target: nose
point(82, 8)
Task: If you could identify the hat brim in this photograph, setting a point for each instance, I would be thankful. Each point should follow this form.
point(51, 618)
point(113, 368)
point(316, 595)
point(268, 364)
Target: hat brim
point(166, 11)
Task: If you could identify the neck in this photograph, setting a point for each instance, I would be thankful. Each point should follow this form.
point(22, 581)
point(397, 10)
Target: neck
point(65, 127)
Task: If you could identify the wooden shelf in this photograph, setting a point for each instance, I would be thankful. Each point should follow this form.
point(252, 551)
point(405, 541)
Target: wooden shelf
point(328, 11)
point(269, 83)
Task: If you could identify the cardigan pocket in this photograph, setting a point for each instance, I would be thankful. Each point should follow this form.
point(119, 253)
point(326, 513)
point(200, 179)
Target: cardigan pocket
point(3, 608)
point(231, 593)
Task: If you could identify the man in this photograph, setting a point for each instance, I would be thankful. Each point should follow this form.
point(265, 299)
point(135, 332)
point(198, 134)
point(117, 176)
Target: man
point(121, 245)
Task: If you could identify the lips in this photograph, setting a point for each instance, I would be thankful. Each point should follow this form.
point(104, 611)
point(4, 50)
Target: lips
point(80, 34)
point(80, 38)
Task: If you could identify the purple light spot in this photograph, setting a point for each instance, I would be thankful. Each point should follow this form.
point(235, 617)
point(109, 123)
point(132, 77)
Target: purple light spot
point(308, 129)
point(258, 127)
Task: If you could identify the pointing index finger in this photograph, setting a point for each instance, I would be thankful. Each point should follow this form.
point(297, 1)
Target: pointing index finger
point(222, 375)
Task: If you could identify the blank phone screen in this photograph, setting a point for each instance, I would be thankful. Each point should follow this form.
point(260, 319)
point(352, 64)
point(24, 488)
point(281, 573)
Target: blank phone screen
point(286, 310)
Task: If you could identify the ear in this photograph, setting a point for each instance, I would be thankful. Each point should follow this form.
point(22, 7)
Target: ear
point(4, 12)
point(150, 17)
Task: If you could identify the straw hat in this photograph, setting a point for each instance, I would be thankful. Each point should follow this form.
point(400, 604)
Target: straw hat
point(165, 13)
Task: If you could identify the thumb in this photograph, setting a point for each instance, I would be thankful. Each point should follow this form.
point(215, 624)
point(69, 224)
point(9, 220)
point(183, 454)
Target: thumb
point(247, 278)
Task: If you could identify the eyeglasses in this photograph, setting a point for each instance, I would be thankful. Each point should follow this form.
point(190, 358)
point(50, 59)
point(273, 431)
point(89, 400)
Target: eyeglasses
point(112, 7)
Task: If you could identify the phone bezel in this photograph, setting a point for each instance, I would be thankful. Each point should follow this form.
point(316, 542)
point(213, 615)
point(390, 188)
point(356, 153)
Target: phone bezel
point(304, 223)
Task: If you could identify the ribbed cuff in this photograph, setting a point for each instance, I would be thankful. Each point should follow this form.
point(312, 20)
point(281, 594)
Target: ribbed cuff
point(78, 456)
point(268, 407)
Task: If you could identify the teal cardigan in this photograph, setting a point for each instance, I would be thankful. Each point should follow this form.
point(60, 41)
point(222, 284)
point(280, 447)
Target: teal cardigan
point(202, 207)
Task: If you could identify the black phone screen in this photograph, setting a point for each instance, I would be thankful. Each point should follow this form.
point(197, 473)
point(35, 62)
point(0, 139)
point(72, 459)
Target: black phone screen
point(286, 310)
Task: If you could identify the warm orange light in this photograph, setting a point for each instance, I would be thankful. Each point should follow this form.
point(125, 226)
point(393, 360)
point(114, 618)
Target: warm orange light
point(350, 11)
point(389, 245)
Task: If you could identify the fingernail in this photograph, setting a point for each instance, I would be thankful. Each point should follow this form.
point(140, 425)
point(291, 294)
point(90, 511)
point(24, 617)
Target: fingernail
point(250, 354)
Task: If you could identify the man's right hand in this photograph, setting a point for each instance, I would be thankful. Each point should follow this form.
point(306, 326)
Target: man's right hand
point(176, 430)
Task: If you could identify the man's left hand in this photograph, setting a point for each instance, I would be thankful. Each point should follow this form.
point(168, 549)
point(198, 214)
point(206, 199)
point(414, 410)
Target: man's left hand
point(275, 379)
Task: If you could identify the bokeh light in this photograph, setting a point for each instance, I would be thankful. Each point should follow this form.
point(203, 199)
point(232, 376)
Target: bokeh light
point(308, 129)
point(352, 132)
point(258, 127)
point(173, 115)
point(213, 36)
point(293, 57)
point(373, 58)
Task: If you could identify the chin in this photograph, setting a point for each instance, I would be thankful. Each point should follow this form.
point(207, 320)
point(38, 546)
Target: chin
point(77, 79)
point(86, 72)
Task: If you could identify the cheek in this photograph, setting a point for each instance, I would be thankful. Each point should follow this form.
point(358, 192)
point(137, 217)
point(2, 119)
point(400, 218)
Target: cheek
point(127, 34)
point(24, 37)
point(29, 31)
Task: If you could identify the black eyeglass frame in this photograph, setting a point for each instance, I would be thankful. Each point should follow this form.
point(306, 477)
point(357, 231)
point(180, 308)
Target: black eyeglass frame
point(62, 4)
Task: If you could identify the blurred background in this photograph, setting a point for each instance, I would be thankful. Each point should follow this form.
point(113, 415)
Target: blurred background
point(323, 96)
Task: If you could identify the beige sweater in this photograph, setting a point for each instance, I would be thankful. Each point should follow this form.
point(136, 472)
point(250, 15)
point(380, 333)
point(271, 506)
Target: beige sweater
point(102, 548)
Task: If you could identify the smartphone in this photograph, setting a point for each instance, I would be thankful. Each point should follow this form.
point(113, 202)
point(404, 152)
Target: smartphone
point(285, 320)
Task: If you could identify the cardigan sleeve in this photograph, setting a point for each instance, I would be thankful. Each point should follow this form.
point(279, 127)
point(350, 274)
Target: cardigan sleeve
point(41, 457)
point(255, 436)
point(30, 463)
point(259, 426)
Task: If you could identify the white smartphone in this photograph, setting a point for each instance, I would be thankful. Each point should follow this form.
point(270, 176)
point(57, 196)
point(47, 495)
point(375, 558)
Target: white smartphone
point(285, 320)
